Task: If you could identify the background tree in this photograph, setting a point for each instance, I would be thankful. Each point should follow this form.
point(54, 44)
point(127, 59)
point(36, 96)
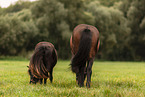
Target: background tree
point(50, 19)
point(136, 21)
point(76, 13)
point(108, 2)
point(113, 30)
point(18, 6)
point(121, 24)
point(15, 35)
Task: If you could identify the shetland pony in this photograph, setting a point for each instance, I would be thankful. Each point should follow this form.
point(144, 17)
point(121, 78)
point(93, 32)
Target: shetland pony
point(42, 63)
point(84, 44)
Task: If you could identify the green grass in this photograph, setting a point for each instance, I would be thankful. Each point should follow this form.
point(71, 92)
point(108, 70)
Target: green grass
point(112, 79)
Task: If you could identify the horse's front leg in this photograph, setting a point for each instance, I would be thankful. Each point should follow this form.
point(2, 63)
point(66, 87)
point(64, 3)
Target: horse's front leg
point(45, 80)
point(77, 75)
point(89, 72)
point(81, 76)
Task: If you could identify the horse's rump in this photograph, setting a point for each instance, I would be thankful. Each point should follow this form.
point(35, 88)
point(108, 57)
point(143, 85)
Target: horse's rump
point(84, 45)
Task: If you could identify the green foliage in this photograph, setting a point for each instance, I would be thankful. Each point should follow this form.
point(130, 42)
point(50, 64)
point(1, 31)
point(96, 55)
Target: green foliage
point(50, 19)
point(18, 6)
point(109, 79)
point(121, 24)
point(76, 14)
point(1, 11)
point(108, 2)
point(135, 15)
point(111, 24)
point(15, 34)
point(125, 6)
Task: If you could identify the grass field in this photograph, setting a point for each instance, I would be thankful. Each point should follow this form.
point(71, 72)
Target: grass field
point(112, 79)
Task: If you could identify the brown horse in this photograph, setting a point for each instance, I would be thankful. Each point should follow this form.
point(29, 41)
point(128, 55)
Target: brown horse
point(84, 44)
point(42, 62)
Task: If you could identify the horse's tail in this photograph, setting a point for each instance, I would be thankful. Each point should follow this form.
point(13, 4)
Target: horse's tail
point(82, 54)
point(38, 63)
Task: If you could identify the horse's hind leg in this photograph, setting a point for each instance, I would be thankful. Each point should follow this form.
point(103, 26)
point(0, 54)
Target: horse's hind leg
point(51, 76)
point(30, 82)
point(85, 73)
point(89, 72)
point(45, 80)
point(41, 80)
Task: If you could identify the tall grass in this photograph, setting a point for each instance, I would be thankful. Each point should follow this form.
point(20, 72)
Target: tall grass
point(109, 79)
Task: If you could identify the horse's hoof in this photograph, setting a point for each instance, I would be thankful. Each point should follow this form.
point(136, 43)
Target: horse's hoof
point(88, 85)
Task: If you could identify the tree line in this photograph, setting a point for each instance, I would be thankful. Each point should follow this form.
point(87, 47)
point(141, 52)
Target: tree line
point(121, 24)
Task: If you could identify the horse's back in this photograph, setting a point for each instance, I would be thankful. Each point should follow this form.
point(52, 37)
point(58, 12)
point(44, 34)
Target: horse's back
point(77, 32)
point(44, 44)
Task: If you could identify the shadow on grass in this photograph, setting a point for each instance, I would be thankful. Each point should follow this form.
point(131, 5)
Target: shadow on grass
point(57, 84)
point(66, 83)
point(94, 84)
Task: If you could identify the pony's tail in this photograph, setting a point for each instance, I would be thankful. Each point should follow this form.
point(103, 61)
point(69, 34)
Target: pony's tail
point(82, 55)
point(37, 63)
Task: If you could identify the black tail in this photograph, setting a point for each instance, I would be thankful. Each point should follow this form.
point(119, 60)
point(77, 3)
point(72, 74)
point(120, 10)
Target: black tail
point(37, 63)
point(83, 52)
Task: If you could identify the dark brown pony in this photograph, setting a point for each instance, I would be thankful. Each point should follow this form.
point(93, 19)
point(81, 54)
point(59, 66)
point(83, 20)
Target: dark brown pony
point(42, 62)
point(84, 44)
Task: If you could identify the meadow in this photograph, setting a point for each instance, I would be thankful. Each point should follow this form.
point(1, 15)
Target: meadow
point(109, 79)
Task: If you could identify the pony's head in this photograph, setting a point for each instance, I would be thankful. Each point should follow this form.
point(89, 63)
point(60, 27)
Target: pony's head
point(33, 79)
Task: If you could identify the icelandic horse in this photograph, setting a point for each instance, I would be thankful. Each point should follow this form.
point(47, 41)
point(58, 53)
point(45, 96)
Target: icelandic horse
point(84, 44)
point(42, 62)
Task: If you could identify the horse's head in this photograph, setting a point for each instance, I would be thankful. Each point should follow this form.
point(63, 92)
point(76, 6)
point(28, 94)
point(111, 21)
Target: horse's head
point(33, 79)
